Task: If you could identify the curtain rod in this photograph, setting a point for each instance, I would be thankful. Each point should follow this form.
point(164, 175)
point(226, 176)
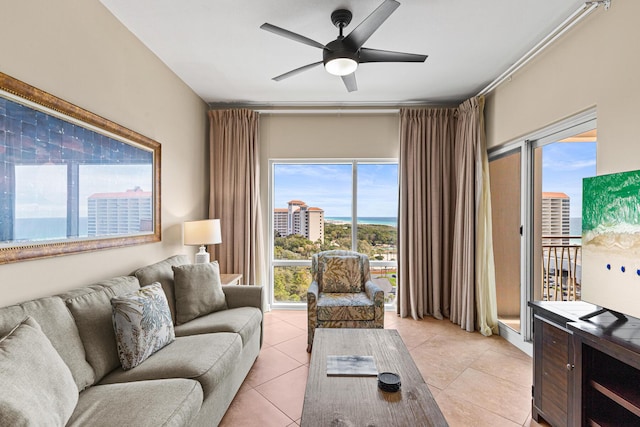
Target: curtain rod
point(329, 111)
point(577, 16)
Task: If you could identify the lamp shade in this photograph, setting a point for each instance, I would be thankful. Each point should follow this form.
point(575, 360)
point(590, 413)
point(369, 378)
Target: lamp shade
point(205, 232)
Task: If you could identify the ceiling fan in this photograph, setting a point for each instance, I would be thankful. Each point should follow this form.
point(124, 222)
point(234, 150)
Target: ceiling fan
point(342, 55)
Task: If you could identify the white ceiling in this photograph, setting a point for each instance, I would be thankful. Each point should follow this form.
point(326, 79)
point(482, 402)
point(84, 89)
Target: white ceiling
point(218, 49)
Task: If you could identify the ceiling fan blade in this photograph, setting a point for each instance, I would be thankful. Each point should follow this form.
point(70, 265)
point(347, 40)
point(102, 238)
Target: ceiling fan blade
point(376, 55)
point(350, 82)
point(362, 32)
point(296, 71)
point(291, 35)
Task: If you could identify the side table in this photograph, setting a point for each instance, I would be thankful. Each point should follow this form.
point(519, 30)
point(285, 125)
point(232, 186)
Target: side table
point(230, 279)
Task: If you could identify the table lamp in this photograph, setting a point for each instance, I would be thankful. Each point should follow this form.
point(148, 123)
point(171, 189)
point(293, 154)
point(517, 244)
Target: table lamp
point(201, 233)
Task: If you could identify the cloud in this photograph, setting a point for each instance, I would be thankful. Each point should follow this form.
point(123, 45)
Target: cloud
point(568, 164)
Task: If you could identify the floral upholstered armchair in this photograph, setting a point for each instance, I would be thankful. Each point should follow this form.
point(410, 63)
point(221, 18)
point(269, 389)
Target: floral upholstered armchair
point(341, 294)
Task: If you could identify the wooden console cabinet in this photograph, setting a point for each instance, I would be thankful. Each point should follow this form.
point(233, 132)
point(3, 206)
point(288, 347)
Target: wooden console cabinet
point(608, 369)
point(586, 373)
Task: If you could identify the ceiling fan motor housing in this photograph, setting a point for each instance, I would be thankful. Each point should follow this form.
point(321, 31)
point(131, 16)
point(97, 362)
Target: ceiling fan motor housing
point(338, 49)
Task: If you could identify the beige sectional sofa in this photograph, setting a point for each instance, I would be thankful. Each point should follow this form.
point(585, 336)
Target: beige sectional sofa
point(190, 381)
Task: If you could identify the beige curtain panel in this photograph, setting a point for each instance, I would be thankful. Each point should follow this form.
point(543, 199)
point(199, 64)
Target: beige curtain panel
point(234, 192)
point(445, 255)
point(425, 218)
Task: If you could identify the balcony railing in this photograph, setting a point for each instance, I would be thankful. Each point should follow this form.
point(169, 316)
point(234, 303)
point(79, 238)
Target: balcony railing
point(561, 268)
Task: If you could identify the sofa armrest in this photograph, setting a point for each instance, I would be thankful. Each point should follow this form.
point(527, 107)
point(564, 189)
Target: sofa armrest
point(243, 296)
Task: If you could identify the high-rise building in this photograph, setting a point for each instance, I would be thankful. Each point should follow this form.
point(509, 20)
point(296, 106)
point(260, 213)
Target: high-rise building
point(298, 218)
point(125, 212)
point(555, 217)
point(280, 221)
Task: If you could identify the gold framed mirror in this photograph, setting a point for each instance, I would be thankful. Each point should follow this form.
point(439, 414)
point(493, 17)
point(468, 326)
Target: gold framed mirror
point(70, 180)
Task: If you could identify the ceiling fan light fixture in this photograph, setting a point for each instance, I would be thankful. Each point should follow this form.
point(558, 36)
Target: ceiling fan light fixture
point(341, 66)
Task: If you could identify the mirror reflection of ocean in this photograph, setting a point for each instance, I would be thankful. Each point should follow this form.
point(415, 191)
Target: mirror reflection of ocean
point(44, 228)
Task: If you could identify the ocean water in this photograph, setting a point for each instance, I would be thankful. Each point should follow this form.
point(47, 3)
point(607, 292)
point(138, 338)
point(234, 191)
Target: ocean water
point(373, 220)
point(44, 228)
point(575, 226)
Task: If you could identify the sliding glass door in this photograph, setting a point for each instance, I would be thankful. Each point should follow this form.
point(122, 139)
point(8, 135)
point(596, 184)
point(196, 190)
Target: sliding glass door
point(560, 165)
point(536, 194)
point(505, 171)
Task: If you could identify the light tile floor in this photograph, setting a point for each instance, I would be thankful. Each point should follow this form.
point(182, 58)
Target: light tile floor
point(477, 381)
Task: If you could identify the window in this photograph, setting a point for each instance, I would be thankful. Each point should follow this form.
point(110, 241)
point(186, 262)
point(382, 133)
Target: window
point(314, 205)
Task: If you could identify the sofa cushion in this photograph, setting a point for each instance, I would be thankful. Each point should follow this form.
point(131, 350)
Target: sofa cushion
point(198, 291)
point(171, 402)
point(341, 274)
point(162, 272)
point(243, 320)
point(347, 306)
point(37, 386)
point(58, 325)
point(92, 313)
point(142, 324)
point(208, 358)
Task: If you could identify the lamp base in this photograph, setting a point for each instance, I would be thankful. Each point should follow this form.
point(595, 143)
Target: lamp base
point(202, 257)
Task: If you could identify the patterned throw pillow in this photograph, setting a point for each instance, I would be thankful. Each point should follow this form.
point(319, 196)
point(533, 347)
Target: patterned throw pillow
point(142, 324)
point(341, 274)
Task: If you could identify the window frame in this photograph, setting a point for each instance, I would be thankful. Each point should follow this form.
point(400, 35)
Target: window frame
point(354, 212)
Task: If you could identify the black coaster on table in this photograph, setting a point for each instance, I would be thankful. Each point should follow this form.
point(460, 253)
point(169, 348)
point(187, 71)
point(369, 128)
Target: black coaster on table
point(388, 381)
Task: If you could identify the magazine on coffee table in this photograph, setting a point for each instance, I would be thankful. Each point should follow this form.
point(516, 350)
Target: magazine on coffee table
point(351, 365)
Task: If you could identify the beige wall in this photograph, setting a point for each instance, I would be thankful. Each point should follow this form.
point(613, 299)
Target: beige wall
point(594, 64)
point(79, 52)
point(329, 136)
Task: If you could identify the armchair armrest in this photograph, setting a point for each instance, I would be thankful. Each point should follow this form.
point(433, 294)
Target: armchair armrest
point(312, 312)
point(373, 291)
point(376, 295)
point(243, 296)
point(312, 293)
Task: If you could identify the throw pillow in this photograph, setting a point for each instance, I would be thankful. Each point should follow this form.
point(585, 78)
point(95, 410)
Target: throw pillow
point(341, 274)
point(142, 324)
point(37, 386)
point(198, 291)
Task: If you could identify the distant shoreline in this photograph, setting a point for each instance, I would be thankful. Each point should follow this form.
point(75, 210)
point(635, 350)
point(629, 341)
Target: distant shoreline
point(369, 220)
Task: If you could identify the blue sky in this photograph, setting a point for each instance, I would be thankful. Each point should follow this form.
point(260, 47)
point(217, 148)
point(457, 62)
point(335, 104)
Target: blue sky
point(563, 167)
point(328, 186)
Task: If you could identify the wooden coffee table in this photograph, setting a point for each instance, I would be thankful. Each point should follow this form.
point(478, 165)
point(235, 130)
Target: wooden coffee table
point(357, 401)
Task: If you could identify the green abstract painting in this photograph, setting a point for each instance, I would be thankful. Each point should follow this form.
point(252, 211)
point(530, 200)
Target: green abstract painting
point(611, 241)
point(611, 210)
